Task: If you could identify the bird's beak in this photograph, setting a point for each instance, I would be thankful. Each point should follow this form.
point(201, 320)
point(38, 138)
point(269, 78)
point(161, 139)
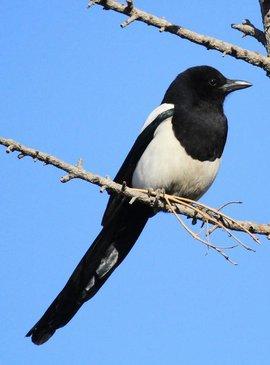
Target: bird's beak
point(233, 85)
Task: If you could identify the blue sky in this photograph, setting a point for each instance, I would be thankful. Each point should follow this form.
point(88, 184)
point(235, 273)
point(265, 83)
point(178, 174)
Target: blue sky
point(75, 84)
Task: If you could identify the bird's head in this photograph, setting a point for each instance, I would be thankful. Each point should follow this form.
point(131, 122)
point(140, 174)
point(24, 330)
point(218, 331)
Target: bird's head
point(203, 83)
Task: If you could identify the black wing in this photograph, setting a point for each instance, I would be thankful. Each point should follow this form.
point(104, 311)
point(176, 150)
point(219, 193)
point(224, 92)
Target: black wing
point(125, 172)
point(123, 224)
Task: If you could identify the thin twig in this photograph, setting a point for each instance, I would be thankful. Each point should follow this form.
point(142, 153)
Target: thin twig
point(208, 42)
point(222, 215)
point(249, 29)
point(196, 236)
point(227, 221)
point(229, 203)
point(213, 228)
point(212, 220)
point(129, 20)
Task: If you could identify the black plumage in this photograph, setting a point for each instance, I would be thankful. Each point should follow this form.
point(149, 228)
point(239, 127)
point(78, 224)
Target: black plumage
point(190, 128)
point(199, 122)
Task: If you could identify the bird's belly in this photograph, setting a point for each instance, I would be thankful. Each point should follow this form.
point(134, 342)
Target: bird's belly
point(166, 165)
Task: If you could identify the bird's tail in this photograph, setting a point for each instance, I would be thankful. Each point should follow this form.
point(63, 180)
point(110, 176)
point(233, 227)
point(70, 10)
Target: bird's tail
point(107, 251)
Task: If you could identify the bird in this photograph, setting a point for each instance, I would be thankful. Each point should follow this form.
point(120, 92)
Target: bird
point(177, 151)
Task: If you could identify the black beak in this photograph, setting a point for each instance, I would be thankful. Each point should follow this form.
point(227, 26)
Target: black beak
point(233, 85)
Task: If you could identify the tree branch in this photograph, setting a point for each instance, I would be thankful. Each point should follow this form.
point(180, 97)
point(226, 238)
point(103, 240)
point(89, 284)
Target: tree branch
point(265, 10)
point(208, 42)
point(249, 29)
point(183, 206)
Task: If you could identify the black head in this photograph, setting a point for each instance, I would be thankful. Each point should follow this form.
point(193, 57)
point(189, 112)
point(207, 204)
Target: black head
point(204, 83)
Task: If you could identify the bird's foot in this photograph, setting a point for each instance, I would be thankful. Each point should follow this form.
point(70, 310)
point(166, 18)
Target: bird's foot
point(155, 196)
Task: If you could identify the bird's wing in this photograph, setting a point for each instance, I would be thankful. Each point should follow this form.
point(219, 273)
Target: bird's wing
point(123, 224)
point(125, 172)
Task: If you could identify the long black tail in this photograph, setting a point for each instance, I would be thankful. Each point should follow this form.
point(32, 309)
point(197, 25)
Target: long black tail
point(107, 251)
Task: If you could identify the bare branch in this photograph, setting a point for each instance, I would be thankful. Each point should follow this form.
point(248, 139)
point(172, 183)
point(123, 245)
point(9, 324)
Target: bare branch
point(249, 29)
point(208, 42)
point(265, 10)
point(184, 206)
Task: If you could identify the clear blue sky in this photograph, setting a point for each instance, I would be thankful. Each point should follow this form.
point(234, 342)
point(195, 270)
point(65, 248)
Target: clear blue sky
point(75, 84)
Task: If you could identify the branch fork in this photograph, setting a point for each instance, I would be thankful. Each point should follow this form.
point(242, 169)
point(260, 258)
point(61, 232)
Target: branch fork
point(249, 29)
point(208, 42)
point(70, 176)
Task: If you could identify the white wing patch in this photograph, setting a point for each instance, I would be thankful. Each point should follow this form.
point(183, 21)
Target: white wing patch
point(152, 116)
point(108, 262)
point(90, 284)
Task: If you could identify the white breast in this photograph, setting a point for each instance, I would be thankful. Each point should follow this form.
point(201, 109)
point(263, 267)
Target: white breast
point(165, 164)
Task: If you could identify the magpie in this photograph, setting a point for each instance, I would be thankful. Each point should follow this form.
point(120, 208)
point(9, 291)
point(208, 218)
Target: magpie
point(178, 151)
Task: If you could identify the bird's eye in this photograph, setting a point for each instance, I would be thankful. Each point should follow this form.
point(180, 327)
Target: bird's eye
point(213, 82)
